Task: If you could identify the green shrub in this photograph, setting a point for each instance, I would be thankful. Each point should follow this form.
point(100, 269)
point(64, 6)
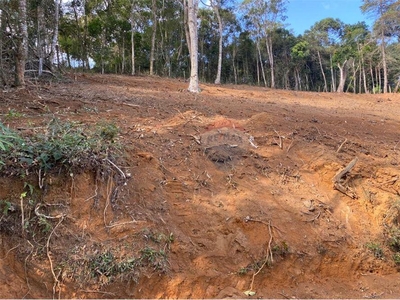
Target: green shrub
point(61, 145)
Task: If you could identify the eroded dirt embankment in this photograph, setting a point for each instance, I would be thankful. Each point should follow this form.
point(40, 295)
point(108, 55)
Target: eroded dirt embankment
point(229, 191)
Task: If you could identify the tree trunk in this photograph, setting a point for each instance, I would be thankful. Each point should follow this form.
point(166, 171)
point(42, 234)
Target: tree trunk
point(322, 71)
point(40, 38)
point(2, 31)
point(333, 76)
point(343, 76)
point(132, 41)
point(233, 61)
point(123, 54)
point(364, 77)
point(271, 59)
point(54, 42)
point(262, 64)
point(384, 65)
point(22, 45)
point(132, 52)
point(186, 23)
point(153, 36)
point(220, 30)
point(193, 6)
point(378, 71)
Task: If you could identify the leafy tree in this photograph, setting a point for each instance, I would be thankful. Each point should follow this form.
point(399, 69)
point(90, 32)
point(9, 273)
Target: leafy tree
point(386, 15)
point(299, 53)
point(264, 17)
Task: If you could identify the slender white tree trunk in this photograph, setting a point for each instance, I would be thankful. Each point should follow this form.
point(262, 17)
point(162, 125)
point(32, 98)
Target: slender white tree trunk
point(132, 39)
point(262, 64)
point(384, 65)
point(54, 42)
point(271, 60)
point(193, 6)
point(220, 30)
point(153, 36)
point(322, 71)
point(333, 76)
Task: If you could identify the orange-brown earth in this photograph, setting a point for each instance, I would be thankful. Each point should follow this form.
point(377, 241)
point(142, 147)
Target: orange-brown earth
point(232, 190)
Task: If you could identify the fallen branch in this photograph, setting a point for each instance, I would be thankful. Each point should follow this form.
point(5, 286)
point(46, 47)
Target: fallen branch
point(338, 180)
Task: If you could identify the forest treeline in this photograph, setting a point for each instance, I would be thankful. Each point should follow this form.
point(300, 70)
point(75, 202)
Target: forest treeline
point(244, 42)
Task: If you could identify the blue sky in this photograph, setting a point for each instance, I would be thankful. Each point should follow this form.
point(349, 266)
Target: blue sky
point(302, 14)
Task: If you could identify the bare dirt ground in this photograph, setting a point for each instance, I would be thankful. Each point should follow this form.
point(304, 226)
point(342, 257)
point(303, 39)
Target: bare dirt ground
point(231, 191)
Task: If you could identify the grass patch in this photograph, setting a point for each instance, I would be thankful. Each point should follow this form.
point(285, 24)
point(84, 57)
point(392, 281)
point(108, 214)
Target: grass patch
point(375, 248)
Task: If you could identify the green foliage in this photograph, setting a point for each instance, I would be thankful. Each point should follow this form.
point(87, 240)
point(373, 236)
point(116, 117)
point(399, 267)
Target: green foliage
point(300, 50)
point(108, 131)
point(8, 139)
point(375, 248)
point(243, 271)
point(12, 114)
point(103, 264)
point(157, 237)
point(393, 239)
point(6, 207)
point(377, 89)
point(281, 249)
point(62, 145)
point(44, 224)
point(148, 251)
point(396, 258)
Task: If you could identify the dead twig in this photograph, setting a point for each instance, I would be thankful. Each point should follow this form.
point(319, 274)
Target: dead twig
point(290, 146)
point(196, 138)
point(115, 166)
point(182, 115)
point(315, 218)
point(280, 144)
point(284, 295)
point(131, 105)
point(391, 181)
point(338, 180)
point(341, 145)
point(248, 219)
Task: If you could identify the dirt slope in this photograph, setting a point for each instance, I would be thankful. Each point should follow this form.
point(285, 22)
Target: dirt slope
point(230, 191)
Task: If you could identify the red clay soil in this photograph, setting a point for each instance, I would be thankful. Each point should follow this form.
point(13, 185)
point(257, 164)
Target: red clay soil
point(232, 189)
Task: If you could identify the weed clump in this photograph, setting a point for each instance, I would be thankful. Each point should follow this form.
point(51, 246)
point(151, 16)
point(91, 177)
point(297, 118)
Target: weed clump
point(375, 248)
point(59, 145)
